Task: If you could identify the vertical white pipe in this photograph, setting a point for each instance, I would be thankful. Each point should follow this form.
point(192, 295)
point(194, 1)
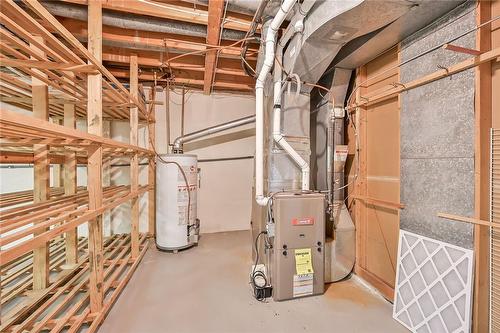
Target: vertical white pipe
point(285, 7)
point(277, 136)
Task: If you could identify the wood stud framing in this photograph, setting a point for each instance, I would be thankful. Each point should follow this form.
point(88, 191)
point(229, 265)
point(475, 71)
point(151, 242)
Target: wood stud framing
point(483, 123)
point(94, 159)
point(41, 171)
point(215, 9)
point(70, 185)
point(134, 161)
point(64, 80)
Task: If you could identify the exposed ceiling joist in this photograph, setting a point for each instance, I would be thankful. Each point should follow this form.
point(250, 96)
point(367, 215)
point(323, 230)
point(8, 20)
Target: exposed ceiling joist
point(215, 9)
point(154, 59)
point(193, 79)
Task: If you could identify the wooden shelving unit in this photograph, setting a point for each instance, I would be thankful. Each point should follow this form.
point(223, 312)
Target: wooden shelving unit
point(51, 279)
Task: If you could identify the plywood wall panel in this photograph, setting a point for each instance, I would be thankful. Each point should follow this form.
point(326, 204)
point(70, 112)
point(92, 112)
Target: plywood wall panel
point(383, 139)
point(379, 226)
point(495, 67)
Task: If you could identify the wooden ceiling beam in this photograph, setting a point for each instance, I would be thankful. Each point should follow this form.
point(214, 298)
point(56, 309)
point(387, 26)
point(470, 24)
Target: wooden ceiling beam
point(189, 62)
point(215, 9)
point(172, 10)
point(185, 78)
point(146, 75)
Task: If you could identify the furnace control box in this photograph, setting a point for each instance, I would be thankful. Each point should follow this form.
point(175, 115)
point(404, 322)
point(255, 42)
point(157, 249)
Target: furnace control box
point(297, 256)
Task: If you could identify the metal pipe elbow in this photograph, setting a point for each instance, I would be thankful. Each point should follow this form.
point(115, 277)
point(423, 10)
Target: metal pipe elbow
point(178, 144)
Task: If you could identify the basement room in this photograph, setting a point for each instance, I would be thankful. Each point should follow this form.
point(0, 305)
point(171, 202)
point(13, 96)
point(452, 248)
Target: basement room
point(253, 166)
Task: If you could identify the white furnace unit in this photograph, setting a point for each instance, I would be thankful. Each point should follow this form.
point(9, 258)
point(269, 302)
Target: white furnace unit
point(177, 226)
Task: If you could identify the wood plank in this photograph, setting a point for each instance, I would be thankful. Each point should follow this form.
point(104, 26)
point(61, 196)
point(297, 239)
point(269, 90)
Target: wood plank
point(45, 311)
point(83, 215)
point(360, 187)
point(152, 168)
point(483, 123)
point(134, 161)
point(119, 288)
point(120, 56)
point(391, 91)
point(30, 127)
point(180, 81)
point(47, 65)
point(461, 49)
point(465, 219)
point(70, 186)
point(41, 170)
point(37, 8)
point(94, 166)
point(215, 9)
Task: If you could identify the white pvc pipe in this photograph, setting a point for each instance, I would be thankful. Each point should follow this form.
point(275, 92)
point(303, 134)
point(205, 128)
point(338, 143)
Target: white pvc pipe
point(285, 8)
point(278, 78)
point(277, 136)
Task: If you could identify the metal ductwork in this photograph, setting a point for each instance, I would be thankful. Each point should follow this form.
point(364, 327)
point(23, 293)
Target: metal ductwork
point(179, 142)
point(138, 22)
point(340, 240)
point(329, 26)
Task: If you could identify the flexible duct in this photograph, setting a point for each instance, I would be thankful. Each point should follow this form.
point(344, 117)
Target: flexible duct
point(179, 141)
point(259, 99)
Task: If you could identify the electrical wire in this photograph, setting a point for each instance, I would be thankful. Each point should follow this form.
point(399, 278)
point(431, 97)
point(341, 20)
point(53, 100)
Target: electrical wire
point(257, 18)
point(430, 50)
point(358, 86)
point(258, 288)
point(211, 48)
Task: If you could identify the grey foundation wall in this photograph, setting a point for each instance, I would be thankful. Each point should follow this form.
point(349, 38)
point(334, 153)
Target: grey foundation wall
point(437, 133)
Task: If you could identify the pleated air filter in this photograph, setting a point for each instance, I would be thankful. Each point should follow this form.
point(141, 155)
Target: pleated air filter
point(433, 285)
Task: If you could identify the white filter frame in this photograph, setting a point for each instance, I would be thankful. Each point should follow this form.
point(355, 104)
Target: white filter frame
point(434, 283)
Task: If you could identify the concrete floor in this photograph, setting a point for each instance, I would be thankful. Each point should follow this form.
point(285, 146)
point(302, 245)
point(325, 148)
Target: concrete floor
point(205, 289)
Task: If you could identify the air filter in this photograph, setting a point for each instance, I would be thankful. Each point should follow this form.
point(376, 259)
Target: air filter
point(433, 285)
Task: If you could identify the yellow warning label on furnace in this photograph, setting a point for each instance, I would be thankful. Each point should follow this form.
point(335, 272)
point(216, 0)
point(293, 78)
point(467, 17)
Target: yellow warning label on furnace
point(303, 261)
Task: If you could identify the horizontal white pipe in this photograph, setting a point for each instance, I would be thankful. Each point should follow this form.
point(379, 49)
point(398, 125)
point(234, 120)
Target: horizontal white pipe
point(285, 8)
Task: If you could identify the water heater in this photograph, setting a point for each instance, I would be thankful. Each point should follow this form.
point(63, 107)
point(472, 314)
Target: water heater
point(177, 226)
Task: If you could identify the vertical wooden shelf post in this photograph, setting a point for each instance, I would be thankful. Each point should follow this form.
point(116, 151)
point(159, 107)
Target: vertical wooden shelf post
point(134, 161)
point(483, 123)
point(70, 185)
point(152, 171)
point(41, 166)
point(94, 168)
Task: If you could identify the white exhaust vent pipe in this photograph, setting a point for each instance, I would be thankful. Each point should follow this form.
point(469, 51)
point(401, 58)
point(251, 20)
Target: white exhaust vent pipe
point(285, 8)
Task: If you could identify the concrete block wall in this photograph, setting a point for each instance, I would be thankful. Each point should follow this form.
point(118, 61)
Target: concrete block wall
point(437, 133)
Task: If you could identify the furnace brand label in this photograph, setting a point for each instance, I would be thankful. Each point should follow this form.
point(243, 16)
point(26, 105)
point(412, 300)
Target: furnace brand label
point(303, 221)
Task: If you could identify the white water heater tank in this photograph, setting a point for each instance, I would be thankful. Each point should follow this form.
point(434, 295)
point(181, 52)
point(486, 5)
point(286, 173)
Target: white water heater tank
point(174, 199)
